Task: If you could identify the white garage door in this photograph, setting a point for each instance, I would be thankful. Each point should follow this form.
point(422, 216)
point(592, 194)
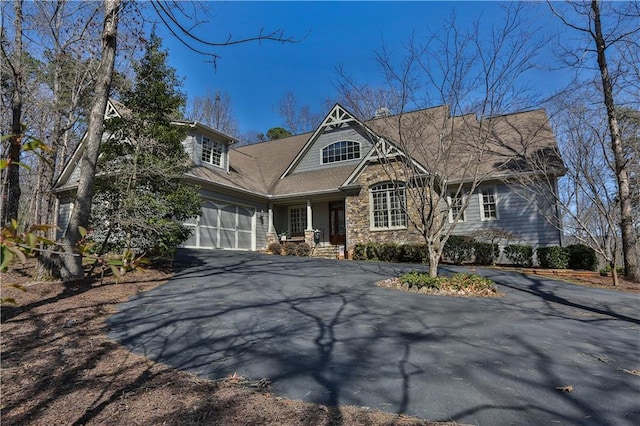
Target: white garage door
point(222, 226)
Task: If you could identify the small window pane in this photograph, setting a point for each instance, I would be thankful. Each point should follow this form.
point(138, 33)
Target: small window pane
point(341, 151)
point(456, 206)
point(387, 204)
point(298, 220)
point(489, 207)
point(212, 151)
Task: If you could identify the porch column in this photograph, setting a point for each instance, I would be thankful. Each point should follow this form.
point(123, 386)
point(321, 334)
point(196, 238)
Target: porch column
point(271, 227)
point(309, 216)
point(272, 237)
point(308, 233)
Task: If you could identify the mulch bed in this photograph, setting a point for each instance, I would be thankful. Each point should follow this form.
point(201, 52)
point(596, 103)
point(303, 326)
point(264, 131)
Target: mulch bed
point(587, 278)
point(397, 284)
point(58, 367)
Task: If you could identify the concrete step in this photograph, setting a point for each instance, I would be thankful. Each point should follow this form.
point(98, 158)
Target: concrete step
point(325, 252)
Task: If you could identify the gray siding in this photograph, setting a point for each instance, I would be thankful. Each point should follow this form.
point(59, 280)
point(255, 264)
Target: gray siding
point(517, 213)
point(312, 159)
point(189, 144)
point(281, 218)
point(64, 216)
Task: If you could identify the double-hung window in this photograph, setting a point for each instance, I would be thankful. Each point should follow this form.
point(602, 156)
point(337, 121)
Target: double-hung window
point(488, 204)
point(297, 220)
point(456, 201)
point(212, 152)
point(388, 201)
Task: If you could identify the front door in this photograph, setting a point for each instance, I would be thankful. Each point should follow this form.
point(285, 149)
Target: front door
point(337, 230)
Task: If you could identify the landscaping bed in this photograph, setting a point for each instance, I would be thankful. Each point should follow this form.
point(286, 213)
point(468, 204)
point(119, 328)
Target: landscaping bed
point(458, 285)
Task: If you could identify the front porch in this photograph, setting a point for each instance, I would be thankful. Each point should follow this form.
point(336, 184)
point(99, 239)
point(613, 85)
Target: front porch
point(319, 223)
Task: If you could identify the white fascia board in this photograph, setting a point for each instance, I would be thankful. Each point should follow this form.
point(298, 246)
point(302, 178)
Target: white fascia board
point(206, 129)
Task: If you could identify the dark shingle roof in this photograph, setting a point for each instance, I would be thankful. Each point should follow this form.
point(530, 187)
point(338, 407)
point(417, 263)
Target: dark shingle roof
point(505, 145)
point(460, 147)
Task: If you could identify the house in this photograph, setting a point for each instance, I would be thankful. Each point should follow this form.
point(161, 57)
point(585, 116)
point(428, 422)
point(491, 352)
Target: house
point(334, 180)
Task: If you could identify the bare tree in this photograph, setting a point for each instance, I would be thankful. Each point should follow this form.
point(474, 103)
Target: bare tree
point(297, 118)
point(72, 263)
point(439, 156)
point(214, 110)
point(11, 180)
point(611, 36)
point(586, 196)
point(67, 32)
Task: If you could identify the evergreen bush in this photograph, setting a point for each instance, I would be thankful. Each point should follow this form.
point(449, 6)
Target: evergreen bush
point(390, 252)
point(554, 257)
point(582, 257)
point(458, 249)
point(484, 253)
point(359, 252)
point(520, 255)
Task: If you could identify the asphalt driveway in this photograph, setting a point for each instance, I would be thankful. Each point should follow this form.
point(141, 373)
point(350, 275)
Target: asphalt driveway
point(321, 331)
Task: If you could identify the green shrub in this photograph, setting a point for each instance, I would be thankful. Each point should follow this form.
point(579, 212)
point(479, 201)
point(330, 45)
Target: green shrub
point(520, 255)
point(459, 281)
point(421, 279)
point(371, 251)
point(582, 257)
point(554, 257)
point(470, 282)
point(484, 254)
point(290, 249)
point(412, 253)
point(303, 250)
point(458, 249)
point(275, 248)
point(390, 252)
point(359, 252)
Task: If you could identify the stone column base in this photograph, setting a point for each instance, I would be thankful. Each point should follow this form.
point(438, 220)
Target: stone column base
point(272, 237)
point(308, 237)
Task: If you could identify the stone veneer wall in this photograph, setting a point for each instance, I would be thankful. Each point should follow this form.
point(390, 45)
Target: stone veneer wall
point(358, 215)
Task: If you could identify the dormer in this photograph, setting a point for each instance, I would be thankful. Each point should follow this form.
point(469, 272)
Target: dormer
point(207, 146)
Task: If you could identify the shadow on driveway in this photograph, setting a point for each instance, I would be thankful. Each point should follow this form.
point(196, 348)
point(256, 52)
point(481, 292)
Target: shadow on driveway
point(321, 331)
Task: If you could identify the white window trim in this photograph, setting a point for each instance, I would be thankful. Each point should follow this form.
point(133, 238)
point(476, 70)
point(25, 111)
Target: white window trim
point(341, 161)
point(463, 197)
point(223, 153)
point(372, 226)
point(497, 201)
point(303, 207)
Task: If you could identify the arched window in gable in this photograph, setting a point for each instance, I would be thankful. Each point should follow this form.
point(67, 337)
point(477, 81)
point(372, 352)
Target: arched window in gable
point(340, 151)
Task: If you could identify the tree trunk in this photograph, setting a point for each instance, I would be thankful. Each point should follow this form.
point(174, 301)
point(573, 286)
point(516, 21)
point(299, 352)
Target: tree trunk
point(434, 259)
point(72, 261)
point(629, 248)
point(11, 186)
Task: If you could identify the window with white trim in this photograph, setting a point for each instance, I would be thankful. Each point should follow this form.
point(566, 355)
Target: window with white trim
point(212, 152)
point(340, 151)
point(488, 204)
point(297, 220)
point(456, 200)
point(387, 206)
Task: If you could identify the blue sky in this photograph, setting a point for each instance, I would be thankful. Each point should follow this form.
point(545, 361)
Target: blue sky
point(256, 75)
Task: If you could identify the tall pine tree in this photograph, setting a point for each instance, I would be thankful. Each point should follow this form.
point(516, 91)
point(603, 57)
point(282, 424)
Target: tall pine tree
point(140, 203)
